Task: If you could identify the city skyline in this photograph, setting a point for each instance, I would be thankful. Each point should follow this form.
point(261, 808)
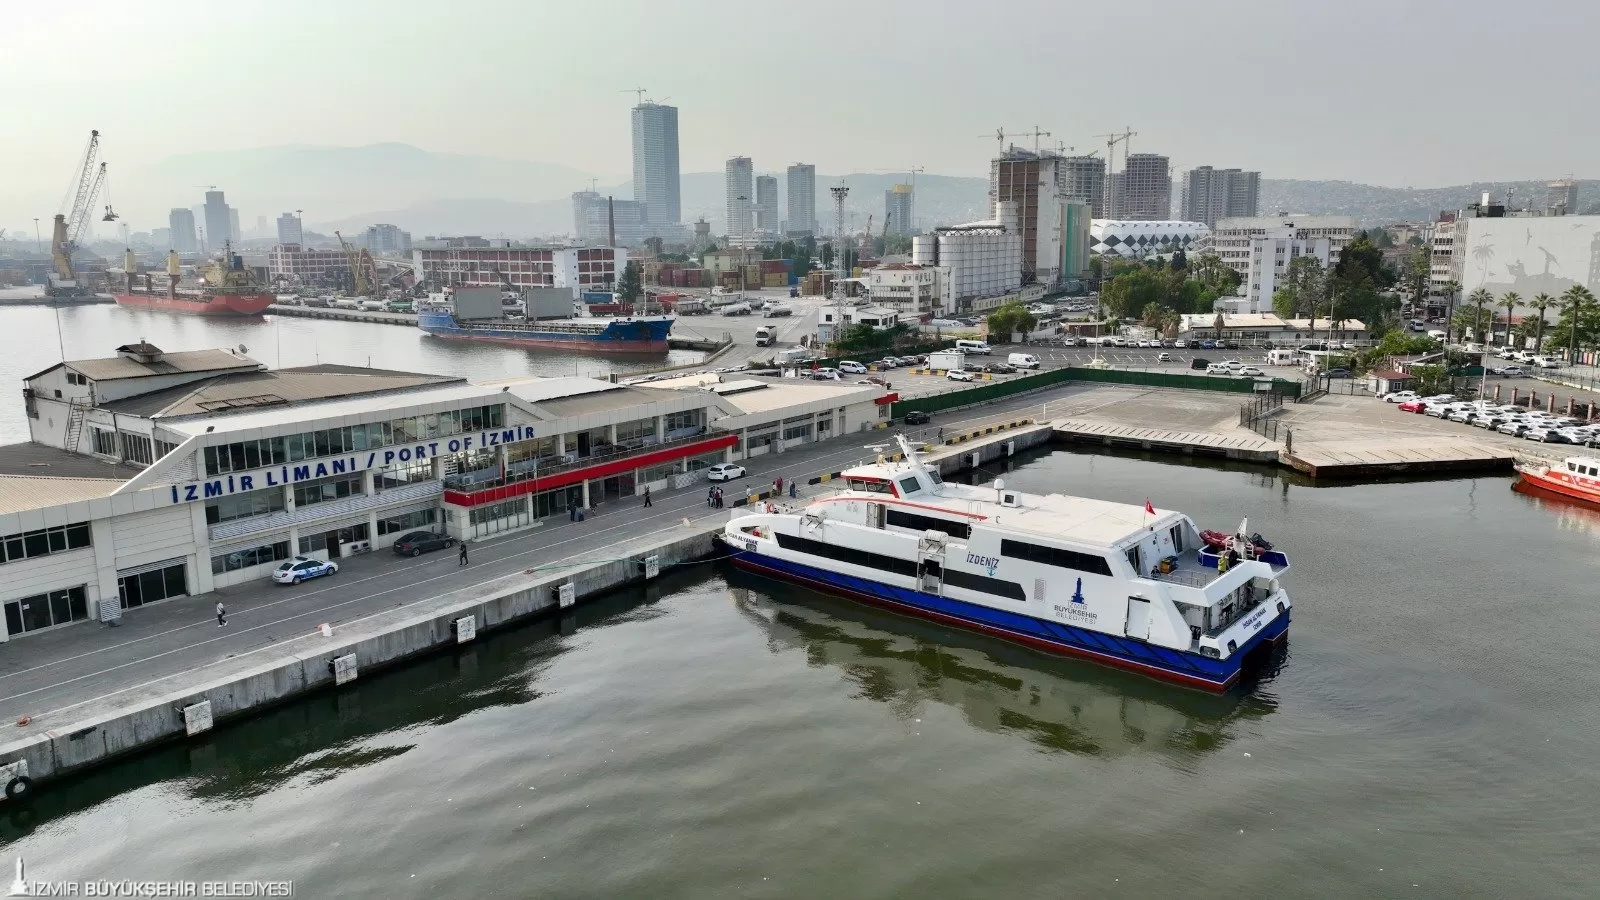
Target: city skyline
point(1366, 131)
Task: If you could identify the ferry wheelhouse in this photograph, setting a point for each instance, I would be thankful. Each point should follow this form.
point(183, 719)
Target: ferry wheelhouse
point(1126, 585)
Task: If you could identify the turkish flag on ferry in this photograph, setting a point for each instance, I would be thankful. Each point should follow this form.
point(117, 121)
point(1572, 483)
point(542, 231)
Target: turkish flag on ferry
point(1148, 509)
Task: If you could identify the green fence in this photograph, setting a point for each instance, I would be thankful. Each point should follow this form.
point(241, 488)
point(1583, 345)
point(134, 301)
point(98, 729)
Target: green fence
point(984, 393)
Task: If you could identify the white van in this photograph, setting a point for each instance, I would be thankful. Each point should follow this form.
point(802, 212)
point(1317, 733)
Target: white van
point(977, 348)
point(1283, 357)
point(1436, 334)
point(1023, 360)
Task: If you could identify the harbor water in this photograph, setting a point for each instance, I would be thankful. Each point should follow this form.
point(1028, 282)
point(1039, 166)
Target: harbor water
point(95, 330)
point(1429, 731)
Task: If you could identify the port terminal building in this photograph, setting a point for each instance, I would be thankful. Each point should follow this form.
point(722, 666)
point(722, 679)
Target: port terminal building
point(150, 475)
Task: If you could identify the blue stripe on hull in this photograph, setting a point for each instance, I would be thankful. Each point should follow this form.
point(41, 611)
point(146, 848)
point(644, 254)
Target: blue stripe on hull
point(1159, 662)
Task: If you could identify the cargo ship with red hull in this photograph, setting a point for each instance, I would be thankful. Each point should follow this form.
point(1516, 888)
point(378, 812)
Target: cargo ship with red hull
point(227, 288)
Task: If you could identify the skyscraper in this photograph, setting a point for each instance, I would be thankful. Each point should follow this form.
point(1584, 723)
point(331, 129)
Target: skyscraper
point(234, 234)
point(767, 202)
point(1083, 178)
point(1211, 194)
point(290, 230)
point(897, 209)
point(183, 238)
point(740, 191)
point(218, 220)
point(802, 199)
point(1143, 189)
point(655, 162)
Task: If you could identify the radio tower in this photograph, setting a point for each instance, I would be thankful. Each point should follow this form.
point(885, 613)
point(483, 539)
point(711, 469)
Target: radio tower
point(840, 273)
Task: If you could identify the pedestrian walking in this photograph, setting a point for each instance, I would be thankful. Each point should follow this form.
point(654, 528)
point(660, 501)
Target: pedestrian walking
point(792, 493)
point(711, 496)
point(463, 554)
point(222, 614)
point(647, 496)
point(780, 484)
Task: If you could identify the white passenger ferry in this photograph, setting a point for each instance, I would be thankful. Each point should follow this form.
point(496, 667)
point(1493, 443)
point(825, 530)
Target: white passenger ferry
point(1127, 585)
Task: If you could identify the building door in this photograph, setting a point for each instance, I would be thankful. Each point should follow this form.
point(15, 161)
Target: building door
point(583, 443)
point(153, 582)
point(1138, 625)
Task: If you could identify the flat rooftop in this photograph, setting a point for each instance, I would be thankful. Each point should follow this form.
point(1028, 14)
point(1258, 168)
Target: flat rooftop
point(757, 395)
point(233, 392)
point(37, 460)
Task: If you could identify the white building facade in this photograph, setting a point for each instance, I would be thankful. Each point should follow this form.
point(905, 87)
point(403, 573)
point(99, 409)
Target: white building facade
point(579, 268)
point(801, 199)
point(910, 289)
point(1260, 248)
point(1137, 239)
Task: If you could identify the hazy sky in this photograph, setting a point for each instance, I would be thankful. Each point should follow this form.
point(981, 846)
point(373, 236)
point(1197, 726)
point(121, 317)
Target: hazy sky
point(1394, 92)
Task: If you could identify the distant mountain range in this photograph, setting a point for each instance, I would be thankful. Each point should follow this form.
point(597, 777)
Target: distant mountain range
point(440, 193)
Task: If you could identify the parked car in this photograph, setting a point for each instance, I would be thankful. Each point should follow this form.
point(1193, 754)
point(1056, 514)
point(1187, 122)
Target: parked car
point(724, 472)
point(1180, 345)
point(1413, 406)
point(999, 369)
point(1251, 372)
point(1547, 362)
point(851, 367)
point(1218, 369)
point(959, 375)
point(301, 568)
point(889, 362)
point(1513, 371)
point(918, 417)
point(825, 373)
point(1399, 396)
point(1208, 345)
point(1199, 362)
point(1339, 372)
point(419, 542)
point(1163, 357)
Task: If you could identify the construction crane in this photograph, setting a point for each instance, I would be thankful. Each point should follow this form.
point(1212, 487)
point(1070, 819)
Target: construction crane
point(639, 91)
point(1000, 138)
point(358, 272)
point(865, 249)
point(71, 222)
point(1036, 135)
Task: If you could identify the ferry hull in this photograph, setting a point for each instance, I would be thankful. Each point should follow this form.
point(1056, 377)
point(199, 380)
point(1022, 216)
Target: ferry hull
point(214, 305)
point(553, 343)
point(1560, 484)
point(1203, 673)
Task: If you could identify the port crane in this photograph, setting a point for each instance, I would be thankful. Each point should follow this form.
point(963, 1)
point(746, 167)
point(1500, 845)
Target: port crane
point(358, 266)
point(72, 221)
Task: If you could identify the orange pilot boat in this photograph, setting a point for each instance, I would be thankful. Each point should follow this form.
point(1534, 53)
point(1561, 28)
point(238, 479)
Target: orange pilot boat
point(1577, 478)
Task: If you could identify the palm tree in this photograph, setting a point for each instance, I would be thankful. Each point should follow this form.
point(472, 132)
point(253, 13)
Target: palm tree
point(1578, 298)
point(1541, 302)
point(1480, 297)
point(1509, 300)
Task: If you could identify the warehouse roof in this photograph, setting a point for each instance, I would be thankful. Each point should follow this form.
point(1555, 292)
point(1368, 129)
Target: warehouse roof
point(22, 492)
point(251, 390)
point(188, 361)
point(29, 458)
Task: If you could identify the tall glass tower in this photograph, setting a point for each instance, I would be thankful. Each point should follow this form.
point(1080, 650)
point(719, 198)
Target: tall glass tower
point(655, 162)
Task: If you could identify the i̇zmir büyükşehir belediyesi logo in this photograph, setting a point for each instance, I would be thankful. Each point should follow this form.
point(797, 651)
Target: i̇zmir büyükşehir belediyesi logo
point(19, 886)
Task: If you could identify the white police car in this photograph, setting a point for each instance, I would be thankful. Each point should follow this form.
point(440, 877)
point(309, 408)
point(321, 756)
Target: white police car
point(300, 568)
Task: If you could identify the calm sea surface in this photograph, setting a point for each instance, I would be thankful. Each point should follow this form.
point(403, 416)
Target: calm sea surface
point(1430, 731)
point(32, 343)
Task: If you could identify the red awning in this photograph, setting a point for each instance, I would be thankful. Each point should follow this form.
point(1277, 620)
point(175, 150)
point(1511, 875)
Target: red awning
point(574, 476)
point(890, 397)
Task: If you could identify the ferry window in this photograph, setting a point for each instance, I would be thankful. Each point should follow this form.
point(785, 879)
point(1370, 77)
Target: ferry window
point(1056, 556)
point(849, 555)
point(909, 485)
point(1134, 559)
point(902, 519)
point(874, 487)
point(999, 588)
point(934, 474)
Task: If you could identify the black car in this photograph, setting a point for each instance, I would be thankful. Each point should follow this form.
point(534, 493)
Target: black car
point(1199, 363)
point(999, 369)
point(918, 417)
point(419, 542)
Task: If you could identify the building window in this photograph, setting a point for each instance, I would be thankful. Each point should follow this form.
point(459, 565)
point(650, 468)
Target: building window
point(798, 430)
point(326, 489)
point(408, 521)
point(243, 506)
point(163, 448)
point(147, 587)
point(45, 541)
point(243, 456)
point(136, 449)
point(75, 378)
point(400, 476)
point(103, 442)
point(495, 511)
point(235, 560)
point(681, 424)
point(46, 610)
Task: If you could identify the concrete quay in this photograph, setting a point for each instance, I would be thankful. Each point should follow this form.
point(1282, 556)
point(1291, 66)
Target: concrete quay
point(91, 694)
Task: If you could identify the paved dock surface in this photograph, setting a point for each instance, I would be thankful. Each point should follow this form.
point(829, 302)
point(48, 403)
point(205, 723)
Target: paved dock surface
point(1239, 444)
point(58, 671)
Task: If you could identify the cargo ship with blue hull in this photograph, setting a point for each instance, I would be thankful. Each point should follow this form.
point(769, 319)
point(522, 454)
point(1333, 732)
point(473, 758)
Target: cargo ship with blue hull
point(1124, 585)
point(478, 315)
